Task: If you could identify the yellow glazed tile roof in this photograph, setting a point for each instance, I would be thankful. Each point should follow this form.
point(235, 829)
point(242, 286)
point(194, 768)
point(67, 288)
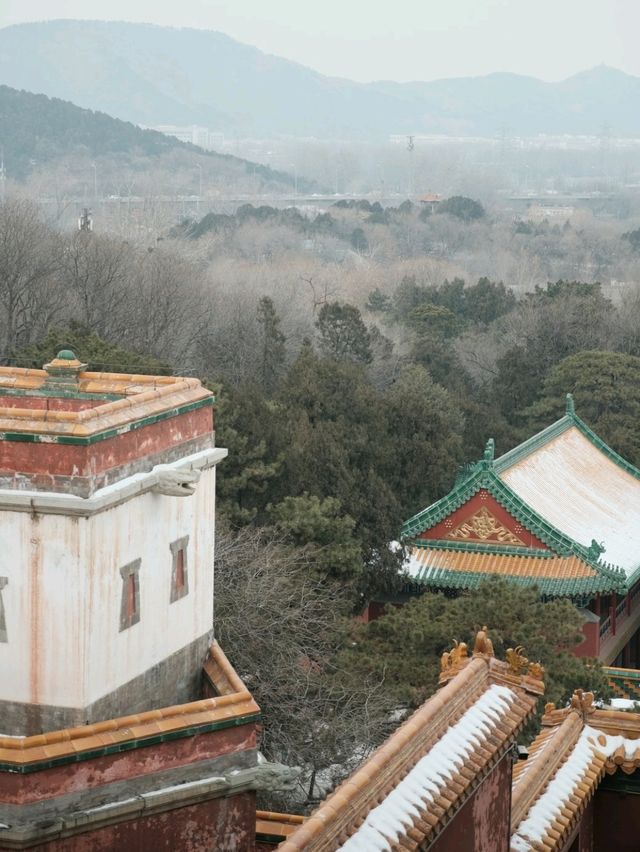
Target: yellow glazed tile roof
point(236, 704)
point(141, 397)
point(513, 565)
point(409, 789)
point(567, 761)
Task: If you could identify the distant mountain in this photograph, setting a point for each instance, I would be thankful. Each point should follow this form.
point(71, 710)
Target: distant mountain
point(36, 130)
point(155, 75)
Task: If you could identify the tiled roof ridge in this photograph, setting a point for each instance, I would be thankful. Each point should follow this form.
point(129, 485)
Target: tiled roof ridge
point(608, 720)
point(345, 804)
point(535, 442)
point(536, 776)
point(462, 546)
point(74, 736)
point(132, 403)
point(466, 680)
point(424, 573)
point(567, 760)
point(292, 819)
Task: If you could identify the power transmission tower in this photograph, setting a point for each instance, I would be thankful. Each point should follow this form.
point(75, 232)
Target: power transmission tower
point(85, 222)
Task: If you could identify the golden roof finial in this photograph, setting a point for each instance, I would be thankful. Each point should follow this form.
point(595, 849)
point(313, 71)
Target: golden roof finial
point(536, 671)
point(516, 659)
point(483, 645)
point(451, 661)
point(582, 702)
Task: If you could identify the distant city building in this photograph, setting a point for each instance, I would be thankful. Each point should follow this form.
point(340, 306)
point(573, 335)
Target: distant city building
point(539, 212)
point(193, 134)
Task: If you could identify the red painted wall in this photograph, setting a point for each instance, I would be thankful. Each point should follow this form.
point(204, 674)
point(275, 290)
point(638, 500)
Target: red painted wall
point(616, 822)
point(591, 645)
point(483, 823)
point(220, 825)
point(69, 460)
point(75, 777)
point(483, 498)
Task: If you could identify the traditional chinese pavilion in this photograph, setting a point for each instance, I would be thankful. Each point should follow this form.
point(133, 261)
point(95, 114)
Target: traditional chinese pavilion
point(561, 511)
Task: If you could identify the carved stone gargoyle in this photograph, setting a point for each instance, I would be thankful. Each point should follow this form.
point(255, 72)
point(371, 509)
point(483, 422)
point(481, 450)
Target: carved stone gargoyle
point(176, 483)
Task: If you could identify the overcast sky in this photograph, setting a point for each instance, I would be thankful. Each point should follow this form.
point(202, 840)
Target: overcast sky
point(399, 40)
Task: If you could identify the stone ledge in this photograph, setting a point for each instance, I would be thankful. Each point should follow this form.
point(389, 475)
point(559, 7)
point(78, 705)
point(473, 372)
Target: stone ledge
point(77, 813)
point(43, 503)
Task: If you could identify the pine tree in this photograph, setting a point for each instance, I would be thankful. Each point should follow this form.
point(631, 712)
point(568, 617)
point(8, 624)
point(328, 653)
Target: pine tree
point(343, 334)
point(273, 350)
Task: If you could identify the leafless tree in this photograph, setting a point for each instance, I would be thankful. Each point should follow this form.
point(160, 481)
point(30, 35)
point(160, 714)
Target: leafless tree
point(283, 630)
point(29, 295)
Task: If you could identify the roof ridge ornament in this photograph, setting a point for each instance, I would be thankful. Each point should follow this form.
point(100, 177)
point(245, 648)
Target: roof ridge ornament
point(483, 646)
point(582, 703)
point(570, 409)
point(452, 661)
point(64, 370)
point(516, 659)
point(595, 549)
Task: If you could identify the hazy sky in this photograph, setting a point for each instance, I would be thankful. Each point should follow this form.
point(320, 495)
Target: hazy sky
point(399, 40)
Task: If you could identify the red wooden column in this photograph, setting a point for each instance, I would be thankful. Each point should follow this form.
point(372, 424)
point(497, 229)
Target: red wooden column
point(612, 612)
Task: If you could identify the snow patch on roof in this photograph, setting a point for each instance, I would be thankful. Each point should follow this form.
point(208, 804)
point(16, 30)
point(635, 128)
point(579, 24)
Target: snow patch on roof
point(564, 784)
point(584, 494)
point(623, 704)
point(390, 819)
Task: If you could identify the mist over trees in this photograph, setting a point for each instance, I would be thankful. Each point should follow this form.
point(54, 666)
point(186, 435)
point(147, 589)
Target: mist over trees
point(354, 375)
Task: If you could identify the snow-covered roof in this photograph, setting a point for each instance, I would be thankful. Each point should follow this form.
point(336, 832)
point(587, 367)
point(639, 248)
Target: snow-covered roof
point(567, 761)
point(579, 488)
point(413, 785)
point(386, 823)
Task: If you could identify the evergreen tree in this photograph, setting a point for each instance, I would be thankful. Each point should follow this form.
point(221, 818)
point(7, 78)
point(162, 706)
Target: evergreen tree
point(343, 335)
point(462, 208)
point(406, 644)
point(272, 345)
point(247, 425)
point(606, 395)
point(100, 355)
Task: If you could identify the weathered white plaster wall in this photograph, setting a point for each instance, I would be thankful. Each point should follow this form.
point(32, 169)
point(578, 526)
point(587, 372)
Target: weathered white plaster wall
point(63, 597)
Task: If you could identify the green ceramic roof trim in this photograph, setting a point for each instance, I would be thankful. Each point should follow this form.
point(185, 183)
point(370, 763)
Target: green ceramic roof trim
point(60, 393)
point(620, 782)
point(485, 475)
point(583, 587)
point(273, 839)
point(482, 547)
point(570, 419)
point(616, 577)
point(614, 673)
point(129, 745)
point(34, 438)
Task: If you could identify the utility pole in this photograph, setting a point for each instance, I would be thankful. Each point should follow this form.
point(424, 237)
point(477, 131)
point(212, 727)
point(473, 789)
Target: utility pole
point(95, 183)
point(199, 167)
point(410, 147)
point(3, 177)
